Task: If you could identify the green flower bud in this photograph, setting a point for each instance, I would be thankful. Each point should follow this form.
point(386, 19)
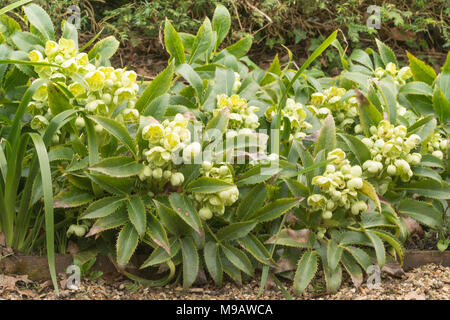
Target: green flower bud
point(205, 213)
point(327, 215)
point(355, 183)
point(438, 154)
point(79, 122)
point(98, 128)
point(167, 174)
point(177, 179)
point(206, 165)
point(39, 123)
point(391, 170)
point(157, 173)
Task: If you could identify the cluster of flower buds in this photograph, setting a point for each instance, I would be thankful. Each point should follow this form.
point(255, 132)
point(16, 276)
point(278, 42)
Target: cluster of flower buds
point(241, 114)
point(330, 102)
point(165, 140)
point(100, 90)
point(78, 230)
point(390, 148)
point(339, 187)
point(237, 82)
point(436, 145)
point(296, 114)
point(209, 204)
point(399, 75)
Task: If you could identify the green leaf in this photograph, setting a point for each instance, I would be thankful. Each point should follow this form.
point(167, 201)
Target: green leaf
point(306, 269)
point(427, 173)
point(137, 215)
point(389, 238)
point(423, 212)
point(360, 256)
point(380, 252)
point(117, 130)
point(157, 232)
point(171, 220)
point(173, 43)
point(40, 20)
point(160, 255)
point(189, 74)
point(202, 41)
point(72, 198)
point(70, 32)
point(441, 105)
point(369, 190)
point(184, 208)
point(368, 113)
point(420, 70)
point(334, 253)
point(221, 23)
point(362, 57)
point(235, 230)
point(117, 186)
point(256, 248)
point(274, 68)
point(190, 261)
point(297, 188)
point(217, 125)
point(238, 258)
point(13, 5)
point(213, 262)
point(159, 86)
point(358, 148)
point(104, 49)
point(103, 207)
point(274, 209)
point(240, 48)
point(252, 201)
point(386, 54)
point(57, 101)
point(119, 167)
point(327, 136)
point(353, 269)
point(428, 188)
point(292, 238)
point(126, 244)
point(112, 221)
point(208, 185)
point(46, 177)
point(416, 88)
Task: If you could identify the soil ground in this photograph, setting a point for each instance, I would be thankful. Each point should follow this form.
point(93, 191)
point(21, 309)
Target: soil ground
point(429, 282)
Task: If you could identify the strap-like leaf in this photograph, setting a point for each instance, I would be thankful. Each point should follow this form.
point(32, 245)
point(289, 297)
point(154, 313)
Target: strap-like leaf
point(190, 261)
point(126, 244)
point(137, 215)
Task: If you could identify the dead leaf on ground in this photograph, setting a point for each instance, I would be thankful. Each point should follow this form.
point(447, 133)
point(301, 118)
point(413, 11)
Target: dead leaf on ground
point(9, 282)
point(393, 269)
point(283, 264)
point(412, 226)
point(301, 236)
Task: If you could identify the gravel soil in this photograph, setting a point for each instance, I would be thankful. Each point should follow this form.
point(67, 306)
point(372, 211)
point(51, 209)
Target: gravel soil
point(430, 282)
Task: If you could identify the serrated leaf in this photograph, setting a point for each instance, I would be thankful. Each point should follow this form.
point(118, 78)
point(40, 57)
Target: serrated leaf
point(190, 261)
point(184, 208)
point(306, 269)
point(235, 230)
point(327, 136)
point(111, 221)
point(213, 262)
point(173, 43)
point(105, 49)
point(334, 253)
point(137, 215)
point(359, 149)
point(352, 268)
point(40, 20)
point(422, 212)
point(378, 246)
point(160, 255)
point(369, 190)
point(208, 185)
point(238, 258)
point(117, 130)
point(253, 200)
point(126, 244)
point(103, 207)
point(157, 232)
point(420, 70)
point(360, 256)
point(72, 198)
point(256, 248)
point(428, 188)
point(240, 48)
point(118, 167)
point(386, 54)
point(274, 209)
point(221, 23)
point(171, 220)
